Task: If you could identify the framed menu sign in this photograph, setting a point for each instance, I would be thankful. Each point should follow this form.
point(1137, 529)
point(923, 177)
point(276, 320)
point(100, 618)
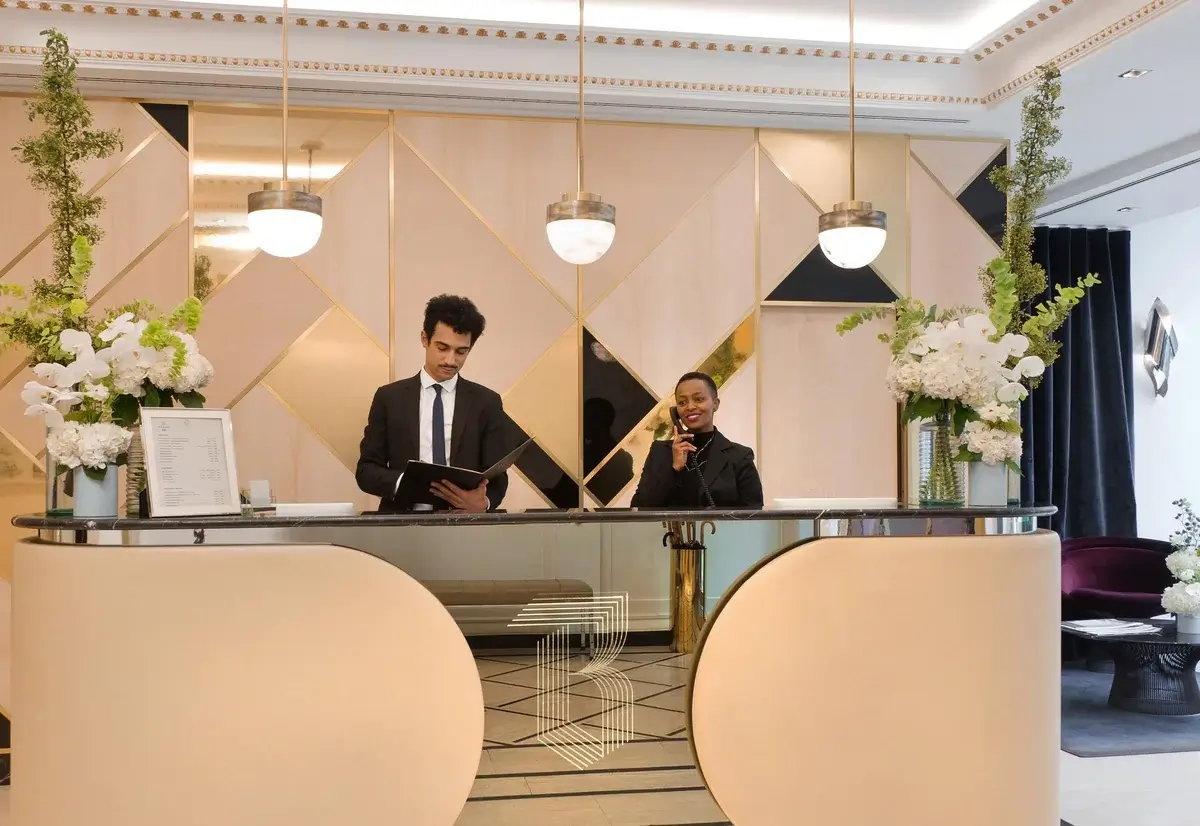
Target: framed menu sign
point(190, 464)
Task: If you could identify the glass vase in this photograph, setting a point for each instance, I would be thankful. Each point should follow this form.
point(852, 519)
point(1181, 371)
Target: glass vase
point(941, 484)
point(59, 487)
point(135, 475)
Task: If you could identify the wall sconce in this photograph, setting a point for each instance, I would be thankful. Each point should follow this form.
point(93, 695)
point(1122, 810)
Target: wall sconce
point(1161, 346)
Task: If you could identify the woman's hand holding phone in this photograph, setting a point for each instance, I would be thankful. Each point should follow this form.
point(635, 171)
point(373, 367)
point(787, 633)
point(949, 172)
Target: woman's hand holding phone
point(680, 448)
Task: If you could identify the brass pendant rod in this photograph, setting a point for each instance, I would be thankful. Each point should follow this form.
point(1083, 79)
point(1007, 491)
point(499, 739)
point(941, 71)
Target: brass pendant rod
point(579, 121)
point(852, 147)
point(285, 90)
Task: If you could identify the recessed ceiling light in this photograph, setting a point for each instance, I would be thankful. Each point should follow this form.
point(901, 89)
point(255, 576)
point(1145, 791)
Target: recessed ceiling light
point(1133, 73)
point(1126, 209)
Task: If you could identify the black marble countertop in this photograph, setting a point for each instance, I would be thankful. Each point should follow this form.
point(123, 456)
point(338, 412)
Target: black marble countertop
point(268, 519)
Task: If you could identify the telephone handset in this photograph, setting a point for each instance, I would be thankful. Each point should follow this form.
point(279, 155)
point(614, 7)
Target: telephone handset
point(678, 420)
point(691, 459)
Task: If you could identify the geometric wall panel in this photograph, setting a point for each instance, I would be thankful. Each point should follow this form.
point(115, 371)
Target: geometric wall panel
point(507, 170)
point(829, 425)
point(546, 400)
point(273, 444)
point(948, 246)
point(251, 322)
point(443, 247)
point(955, 164)
point(557, 487)
point(23, 212)
point(328, 380)
point(986, 204)
point(727, 364)
point(787, 225)
point(153, 191)
point(351, 259)
point(698, 283)
point(614, 401)
point(172, 118)
point(818, 163)
point(655, 175)
point(816, 278)
point(161, 277)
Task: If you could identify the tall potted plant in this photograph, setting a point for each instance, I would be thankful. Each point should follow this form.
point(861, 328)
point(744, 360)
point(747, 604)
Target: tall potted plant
point(93, 374)
point(985, 361)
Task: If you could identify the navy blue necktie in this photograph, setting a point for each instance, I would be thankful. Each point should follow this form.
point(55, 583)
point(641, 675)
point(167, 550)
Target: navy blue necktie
point(439, 427)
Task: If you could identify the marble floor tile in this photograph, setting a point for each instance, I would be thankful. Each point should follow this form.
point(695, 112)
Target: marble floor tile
point(658, 673)
point(663, 809)
point(611, 782)
point(534, 811)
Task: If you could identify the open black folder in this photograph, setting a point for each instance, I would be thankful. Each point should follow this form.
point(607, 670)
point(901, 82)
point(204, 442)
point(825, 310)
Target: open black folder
point(419, 477)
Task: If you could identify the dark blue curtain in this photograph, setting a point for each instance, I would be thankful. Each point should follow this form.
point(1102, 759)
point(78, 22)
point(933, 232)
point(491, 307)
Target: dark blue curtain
point(1079, 422)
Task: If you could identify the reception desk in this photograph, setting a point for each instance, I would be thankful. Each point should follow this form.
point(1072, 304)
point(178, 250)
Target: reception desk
point(256, 670)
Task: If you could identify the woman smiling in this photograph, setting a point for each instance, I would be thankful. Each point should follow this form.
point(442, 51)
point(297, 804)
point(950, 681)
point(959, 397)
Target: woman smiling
point(698, 467)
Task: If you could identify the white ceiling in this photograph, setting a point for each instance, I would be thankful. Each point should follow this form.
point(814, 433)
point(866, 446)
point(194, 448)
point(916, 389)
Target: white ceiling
point(1117, 132)
point(951, 25)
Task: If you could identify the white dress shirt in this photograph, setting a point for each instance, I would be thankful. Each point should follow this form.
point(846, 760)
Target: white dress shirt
point(428, 394)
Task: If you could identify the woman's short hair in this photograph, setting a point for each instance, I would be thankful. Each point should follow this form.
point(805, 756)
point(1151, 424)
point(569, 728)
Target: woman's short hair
point(704, 377)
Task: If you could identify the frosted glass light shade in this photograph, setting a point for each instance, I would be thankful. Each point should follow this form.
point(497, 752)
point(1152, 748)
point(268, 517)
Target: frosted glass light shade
point(853, 234)
point(284, 220)
point(581, 228)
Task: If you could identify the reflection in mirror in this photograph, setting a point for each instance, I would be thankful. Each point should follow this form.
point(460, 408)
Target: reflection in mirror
point(236, 149)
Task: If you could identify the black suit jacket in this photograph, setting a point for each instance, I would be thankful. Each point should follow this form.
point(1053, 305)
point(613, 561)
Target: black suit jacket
point(730, 473)
point(479, 437)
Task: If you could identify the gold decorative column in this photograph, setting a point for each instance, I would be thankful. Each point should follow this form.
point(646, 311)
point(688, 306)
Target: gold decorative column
point(686, 541)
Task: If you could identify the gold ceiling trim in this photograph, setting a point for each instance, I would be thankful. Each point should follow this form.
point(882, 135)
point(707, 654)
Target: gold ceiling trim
point(512, 34)
point(541, 78)
point(1127, 24)
point(1031, 22)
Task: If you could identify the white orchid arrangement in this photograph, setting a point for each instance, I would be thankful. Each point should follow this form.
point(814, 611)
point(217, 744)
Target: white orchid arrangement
point(958, 366)
point(91, 399)
point(1184, 564)
point(75, 399)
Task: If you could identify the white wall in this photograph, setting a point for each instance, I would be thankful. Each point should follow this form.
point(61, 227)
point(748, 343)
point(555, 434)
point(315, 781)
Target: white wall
point(1166, 265)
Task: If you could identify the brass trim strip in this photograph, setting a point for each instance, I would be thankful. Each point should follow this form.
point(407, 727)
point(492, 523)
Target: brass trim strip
point(954, 200)
point(36, 458)
point(544, 355)
point(275, 362)
point(479, 217)
point(391, 132)
point(533, 487)
point(322, 190)
point(286, 405)
point(758, 297)
point(108, 176)
point(653, 393)
point(338, 304)
point(139, 258)
point(191, 156)
point(604, 296)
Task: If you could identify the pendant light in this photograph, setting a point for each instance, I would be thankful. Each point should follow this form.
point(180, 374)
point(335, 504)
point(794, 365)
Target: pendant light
point(580, 227)
point(853, 234)
point(284, 217)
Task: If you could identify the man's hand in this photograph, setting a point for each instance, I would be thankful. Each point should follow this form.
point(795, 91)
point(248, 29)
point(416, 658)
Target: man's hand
point(467, 501)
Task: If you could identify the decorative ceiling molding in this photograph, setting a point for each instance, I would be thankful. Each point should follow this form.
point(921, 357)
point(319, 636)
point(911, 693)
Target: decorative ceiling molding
point(485, 75)
point(375, 23)
point(1127, 24)
point(1013, 33)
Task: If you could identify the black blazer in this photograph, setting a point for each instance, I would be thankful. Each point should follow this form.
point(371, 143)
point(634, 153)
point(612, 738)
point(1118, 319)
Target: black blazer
point(479, 437)
point(730, 473)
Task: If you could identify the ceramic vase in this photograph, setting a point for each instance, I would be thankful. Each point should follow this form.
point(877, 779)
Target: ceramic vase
point(1187, 624)
point(987, 485)
point(96, 497)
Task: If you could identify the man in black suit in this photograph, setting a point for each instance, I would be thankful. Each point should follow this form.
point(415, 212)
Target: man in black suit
point(437, 417)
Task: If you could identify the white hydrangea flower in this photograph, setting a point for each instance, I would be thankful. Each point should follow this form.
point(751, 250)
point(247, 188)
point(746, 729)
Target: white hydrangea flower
point(87, 445)
point(993, 444)
point(1183, 565)
point(1182, 598)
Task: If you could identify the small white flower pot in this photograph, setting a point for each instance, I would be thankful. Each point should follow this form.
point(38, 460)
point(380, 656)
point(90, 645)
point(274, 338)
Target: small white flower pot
point(1187, 624)
point(987, 485)
point(95, 497)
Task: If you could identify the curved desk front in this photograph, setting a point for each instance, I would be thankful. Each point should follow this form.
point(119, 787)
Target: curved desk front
point(873, 669)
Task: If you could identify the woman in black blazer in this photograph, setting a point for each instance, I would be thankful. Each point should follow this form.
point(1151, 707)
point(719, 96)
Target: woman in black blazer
point(698, 468)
